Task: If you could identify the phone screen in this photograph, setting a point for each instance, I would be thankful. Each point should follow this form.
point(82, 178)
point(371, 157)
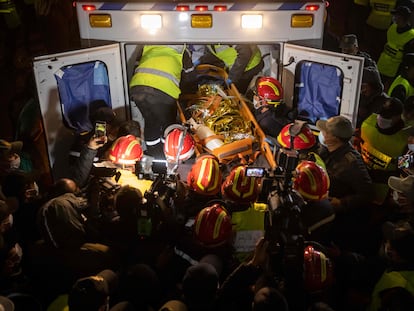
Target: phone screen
point(405, 161)
point(100, 128)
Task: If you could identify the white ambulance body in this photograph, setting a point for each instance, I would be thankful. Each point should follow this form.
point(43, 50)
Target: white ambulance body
point(288, 33)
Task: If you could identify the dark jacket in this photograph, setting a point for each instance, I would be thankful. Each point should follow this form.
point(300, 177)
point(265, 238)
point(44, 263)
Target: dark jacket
point(61, 223)
point(349, 177)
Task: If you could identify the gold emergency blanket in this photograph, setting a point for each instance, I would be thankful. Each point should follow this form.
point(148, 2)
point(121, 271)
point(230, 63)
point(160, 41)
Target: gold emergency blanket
point(220, 113)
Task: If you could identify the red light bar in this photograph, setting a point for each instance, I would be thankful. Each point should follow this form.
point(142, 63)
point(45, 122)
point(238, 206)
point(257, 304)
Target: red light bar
point(182, 8)
point(220, 8)
point(312, 7)
point(88, 7)
point(201, 8)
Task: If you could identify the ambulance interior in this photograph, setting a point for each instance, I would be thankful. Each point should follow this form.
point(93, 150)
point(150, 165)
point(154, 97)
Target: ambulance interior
point(317, 84)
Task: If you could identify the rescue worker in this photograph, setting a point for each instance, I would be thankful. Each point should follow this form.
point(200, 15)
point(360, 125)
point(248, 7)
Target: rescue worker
point(383, 139)
point(400, 40)
point(349, 45)
point(402, 86)
point(242, 61)
point(155, 88)
point(269, 109)
point(317, 215)
point(378, 18)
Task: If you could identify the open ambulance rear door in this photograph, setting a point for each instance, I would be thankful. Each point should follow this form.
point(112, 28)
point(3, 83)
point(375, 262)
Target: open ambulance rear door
point(67, 83)
point(321, 84)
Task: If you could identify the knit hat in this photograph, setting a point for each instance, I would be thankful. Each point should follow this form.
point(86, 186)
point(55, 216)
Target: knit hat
point(91, 292)
point(391, 108)
point(338, 126)
point(371, 76)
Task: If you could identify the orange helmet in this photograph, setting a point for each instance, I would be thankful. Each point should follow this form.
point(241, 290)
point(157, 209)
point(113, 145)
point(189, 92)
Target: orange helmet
point(269, 89)
point(125, 150)
point(304, 140)
point(311, 181)
point(318, 270)
point(178, 142)
point(240, 188)
point(205, 175)
point(212, 226)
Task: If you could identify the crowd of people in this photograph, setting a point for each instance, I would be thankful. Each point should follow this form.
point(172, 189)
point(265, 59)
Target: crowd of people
point(337, 234)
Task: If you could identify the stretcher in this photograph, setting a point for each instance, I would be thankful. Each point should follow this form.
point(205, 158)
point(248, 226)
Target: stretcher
point(224, 104)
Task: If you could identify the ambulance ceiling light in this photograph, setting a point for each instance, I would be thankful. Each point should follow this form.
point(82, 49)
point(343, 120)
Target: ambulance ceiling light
point(201, 8)
point(312, 7)
point(220, 8)
point(252, 21)
point(88, 7)
point(151, 22)
point(182, 8)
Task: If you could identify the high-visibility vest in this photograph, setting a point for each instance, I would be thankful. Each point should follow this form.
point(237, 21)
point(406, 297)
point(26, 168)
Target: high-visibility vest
point(380, 15)
point(409, 89)
point(11, 16)
point(392, 55)
point(388, 280)
point(228, 54)
point(248, 226)
point(160, 67)
point(380, 152)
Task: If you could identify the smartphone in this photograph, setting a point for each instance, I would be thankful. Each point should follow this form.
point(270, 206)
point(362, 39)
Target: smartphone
point(100, 128)
point(255, 172)
point(405, 161)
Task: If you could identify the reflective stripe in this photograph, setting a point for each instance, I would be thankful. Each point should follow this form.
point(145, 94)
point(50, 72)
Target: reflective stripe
point(158, 73)
point(185, 256)
point(153, 142)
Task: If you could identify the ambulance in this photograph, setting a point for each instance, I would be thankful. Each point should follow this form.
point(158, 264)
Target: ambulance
point(289, 33)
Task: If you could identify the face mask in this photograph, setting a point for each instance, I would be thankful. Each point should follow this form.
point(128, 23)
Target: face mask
point(411, 147)
point(384, 123)
point(321, 139)
point(15, 163)
point(257, 103)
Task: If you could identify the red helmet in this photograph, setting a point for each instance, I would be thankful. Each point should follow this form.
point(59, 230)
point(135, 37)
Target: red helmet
point(304, 140)
point(125, 150)
point(240, 188)
point(269, 89)
point(178, 142)
point(318, 270)
point(212, 225)
point(205, 175)
point(311, 181)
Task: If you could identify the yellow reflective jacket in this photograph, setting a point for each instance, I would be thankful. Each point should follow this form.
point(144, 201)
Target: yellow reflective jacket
point(249, 227)
point(388, 280)
point(380, 16)
point(409, 89)
point(160, 67)
point(392, 55)
point(228, 54)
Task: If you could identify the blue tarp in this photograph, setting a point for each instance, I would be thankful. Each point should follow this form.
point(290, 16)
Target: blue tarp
point(79, 86)
point(319, 91)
